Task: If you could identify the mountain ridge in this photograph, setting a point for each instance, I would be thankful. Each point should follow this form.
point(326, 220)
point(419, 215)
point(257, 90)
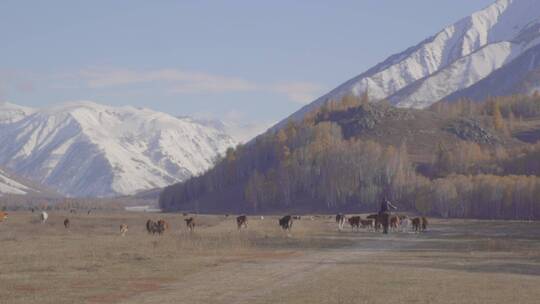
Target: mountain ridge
point(485, 41)
point(88, 149)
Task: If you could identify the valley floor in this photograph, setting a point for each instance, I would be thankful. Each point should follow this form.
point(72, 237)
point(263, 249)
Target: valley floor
point(456, 261)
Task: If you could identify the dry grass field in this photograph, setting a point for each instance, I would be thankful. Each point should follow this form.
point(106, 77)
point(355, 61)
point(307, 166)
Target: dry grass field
point(456, 261)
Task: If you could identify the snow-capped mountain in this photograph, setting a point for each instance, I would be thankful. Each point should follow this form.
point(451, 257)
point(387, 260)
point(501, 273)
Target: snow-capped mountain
point(89, 149)
point(521, 76)
point(11, 112)
point(456, 58)
point(8, 185)
point(241, 132)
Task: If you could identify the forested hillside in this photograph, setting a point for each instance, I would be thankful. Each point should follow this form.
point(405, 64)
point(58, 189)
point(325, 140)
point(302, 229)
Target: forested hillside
point(460, 159)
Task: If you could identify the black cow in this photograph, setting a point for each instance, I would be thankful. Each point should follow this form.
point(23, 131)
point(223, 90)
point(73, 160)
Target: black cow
point(286, 222)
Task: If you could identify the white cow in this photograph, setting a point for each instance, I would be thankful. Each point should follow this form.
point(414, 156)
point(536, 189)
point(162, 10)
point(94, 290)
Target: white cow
point(340, 220)
point(405, 224)
point(43, 216)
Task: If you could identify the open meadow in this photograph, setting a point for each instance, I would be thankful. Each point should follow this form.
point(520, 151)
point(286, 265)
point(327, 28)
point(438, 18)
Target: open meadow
point(455, 261)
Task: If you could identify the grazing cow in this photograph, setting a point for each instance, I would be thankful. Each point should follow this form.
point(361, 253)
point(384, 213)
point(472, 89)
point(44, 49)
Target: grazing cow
point(156, 227)
point(375, 218)
point(89, 211)
point(3, 216)
point(296, 217)
point(340, 220)
point(43, 216)
point(286, 222)
point(241, 221)
point(123, 229)
point(394, 222)
point(66, 223)
point(149, 226)
point(185, 214)
point(163, 224)
point(416, 224)
point(368, 224)
point(354, 221)
point(190, 223)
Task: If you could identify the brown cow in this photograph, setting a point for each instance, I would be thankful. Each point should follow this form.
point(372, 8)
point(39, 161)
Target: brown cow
point(190, 223)
point(163, 224)
point(416, 224)
point(369, 224)
point(123, 229)
point(3, 216)
point(241, 221)
point(424, 223)
point(354, 221)
point(394, 222)
point(66, 223)
point(286, 222)
point(375, 218)
point(156, 227)
point(149, 225)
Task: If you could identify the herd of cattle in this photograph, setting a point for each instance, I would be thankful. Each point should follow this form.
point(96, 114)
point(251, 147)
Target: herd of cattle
point(372, 222)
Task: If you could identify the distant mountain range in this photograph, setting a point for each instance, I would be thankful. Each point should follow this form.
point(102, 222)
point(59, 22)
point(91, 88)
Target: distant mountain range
point(494, 51)
point(88, 149)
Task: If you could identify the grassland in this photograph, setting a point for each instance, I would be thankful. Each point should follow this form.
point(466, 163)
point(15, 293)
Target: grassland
point(456, 261)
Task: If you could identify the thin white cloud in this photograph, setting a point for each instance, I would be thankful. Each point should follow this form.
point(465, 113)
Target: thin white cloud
point(180, 82)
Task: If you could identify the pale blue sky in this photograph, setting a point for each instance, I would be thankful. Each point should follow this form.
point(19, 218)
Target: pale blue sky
point(257, 61)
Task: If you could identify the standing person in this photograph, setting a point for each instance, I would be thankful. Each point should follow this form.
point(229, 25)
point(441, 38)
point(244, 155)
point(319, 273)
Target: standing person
point(384, 214)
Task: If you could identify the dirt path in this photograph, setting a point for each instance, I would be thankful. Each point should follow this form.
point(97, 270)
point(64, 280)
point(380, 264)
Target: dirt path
point(246, 281)
point(255, 277)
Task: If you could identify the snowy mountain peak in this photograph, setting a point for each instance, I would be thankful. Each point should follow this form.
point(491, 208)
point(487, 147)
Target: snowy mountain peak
point(89, 149)
point(457, 57)
point(11, 112)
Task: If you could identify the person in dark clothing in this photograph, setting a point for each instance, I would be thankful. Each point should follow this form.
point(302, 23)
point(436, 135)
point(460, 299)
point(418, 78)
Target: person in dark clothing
point(384, 214)
point(386, 206)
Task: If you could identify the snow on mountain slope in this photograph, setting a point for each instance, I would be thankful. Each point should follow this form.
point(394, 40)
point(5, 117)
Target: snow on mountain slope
point(10, 186)
point(455, 58)
point(11, 113)
point(241, 132)
point(461, 74)
point(88, 149)
point(521, 76)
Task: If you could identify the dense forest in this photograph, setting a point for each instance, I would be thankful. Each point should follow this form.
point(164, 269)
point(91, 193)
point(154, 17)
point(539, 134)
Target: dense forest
point(473, 166)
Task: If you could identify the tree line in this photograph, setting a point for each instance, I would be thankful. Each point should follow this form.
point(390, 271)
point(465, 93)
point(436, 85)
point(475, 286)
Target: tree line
point(310, 166)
